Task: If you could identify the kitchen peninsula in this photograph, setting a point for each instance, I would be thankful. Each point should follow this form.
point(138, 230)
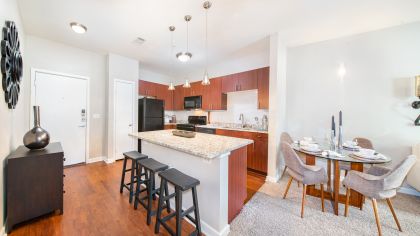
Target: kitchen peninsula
point(219, 162)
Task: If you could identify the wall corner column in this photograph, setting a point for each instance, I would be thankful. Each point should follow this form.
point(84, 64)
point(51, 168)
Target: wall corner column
point(277, 110)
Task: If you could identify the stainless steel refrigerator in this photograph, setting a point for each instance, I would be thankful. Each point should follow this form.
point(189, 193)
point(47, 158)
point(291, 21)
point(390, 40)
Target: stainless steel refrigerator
point(151, 115)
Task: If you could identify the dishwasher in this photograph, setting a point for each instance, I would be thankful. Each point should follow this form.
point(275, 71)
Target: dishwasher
point(205, 130)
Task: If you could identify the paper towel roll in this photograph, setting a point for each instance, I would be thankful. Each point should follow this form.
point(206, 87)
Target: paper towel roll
point(413, 177)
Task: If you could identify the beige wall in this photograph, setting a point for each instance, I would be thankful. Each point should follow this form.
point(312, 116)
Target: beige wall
point(49, 55)
point(12, 128)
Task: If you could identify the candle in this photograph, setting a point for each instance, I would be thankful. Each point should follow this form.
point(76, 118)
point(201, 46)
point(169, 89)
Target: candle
point(333, 124)
point(341, 119)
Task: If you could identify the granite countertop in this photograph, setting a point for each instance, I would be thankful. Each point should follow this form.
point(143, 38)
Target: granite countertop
point(207, 146)
point(231, 128)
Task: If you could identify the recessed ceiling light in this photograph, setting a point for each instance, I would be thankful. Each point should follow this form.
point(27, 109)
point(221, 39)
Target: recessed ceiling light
point(78, 28)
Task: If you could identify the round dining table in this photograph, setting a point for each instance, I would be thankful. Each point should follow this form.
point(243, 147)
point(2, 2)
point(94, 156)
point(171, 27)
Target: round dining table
point(347, 156)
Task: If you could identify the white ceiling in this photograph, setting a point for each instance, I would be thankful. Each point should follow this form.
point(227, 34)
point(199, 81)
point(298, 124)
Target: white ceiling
point(113, 25)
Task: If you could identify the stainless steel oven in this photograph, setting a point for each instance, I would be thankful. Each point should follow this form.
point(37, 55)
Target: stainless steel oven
point(193, 102)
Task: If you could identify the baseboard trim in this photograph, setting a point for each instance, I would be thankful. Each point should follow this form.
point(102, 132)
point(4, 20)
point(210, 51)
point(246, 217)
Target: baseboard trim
point(109, 161)
point(272, 179)
point(95, 159)
point(3, 232)
point(409, 191)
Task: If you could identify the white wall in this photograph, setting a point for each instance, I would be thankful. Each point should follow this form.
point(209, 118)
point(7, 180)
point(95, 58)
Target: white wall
point(153, 76)
point(53, 56)
point(243, 102)
point(253, 56)
point(12, 121)
point(375, 94)
point(122, 68)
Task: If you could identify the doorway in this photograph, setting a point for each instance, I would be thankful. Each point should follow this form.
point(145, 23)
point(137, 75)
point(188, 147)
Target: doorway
point(64, 110)
point(124, 92)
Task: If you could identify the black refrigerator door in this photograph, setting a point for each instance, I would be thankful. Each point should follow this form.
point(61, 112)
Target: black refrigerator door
point(154, 108)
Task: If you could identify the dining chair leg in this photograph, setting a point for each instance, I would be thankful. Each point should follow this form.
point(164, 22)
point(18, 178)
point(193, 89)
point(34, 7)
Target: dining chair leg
point(303, 200)
point(346, 209)
point(388, 200)
point(322, 197)
point(284, 171)
point(287, 188)
point(375, 211)
point(345, 173)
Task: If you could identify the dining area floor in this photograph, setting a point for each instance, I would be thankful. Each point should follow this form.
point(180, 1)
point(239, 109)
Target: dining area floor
point(267, 213)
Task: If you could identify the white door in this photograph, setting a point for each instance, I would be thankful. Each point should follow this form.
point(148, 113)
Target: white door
point(124, 117)
point(63, 110)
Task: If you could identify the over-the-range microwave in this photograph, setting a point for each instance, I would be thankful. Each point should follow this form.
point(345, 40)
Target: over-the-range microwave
point(193, 102)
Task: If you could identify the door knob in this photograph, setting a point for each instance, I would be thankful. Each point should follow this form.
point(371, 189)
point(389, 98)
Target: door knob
point(130, 125)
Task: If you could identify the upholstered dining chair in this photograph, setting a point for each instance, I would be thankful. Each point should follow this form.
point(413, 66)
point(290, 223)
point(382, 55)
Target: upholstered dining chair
point(285, 137)
point(361, 142)
point(378, 183)
point(306, 174)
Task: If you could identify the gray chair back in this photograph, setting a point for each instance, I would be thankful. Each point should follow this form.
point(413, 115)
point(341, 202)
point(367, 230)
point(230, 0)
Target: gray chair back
point(396, 176)
point(364, 142)
point(285, 137)
point(291, 159)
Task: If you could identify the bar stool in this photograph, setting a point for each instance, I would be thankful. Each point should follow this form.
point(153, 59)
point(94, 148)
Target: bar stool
point(134, 156)
point(151, 167)
point(181, 182)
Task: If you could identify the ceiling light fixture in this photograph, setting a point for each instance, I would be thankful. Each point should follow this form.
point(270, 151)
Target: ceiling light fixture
point(185, 56)
point(78, 28)
point(171, 29)
point(206, 79)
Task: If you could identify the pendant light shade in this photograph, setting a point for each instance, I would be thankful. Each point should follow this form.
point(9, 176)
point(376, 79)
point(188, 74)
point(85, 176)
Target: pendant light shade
point(187, 84)
point(206, 79)
point(171, 86)
point(185, 56)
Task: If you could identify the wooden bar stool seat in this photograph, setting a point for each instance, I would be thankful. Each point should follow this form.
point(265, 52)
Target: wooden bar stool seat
point(150, 167)
point(134, 156)
point(181, 183)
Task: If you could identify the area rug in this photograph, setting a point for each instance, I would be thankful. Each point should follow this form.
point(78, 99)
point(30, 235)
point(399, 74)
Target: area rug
point(267, 213)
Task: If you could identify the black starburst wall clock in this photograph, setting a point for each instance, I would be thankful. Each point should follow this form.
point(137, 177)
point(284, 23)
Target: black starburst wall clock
point(11, 64)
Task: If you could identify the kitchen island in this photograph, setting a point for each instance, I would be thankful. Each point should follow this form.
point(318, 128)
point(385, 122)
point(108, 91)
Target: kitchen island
point(219, 162)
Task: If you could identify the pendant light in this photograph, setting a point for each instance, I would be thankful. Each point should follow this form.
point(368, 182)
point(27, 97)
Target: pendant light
point(187, 84)
point(206, 79)
point(185, 56)
point(172, 29)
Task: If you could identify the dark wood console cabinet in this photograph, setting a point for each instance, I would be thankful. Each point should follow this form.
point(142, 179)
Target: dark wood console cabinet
point(34, 183)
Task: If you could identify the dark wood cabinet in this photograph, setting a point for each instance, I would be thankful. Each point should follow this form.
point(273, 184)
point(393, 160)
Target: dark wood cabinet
point(229, 83)
point(159, 91)
point(34, 183)
point(257, 158)
point(213, 98)
point(263, 87)
point(247, 80)
point(179, 98)
point(147, 88)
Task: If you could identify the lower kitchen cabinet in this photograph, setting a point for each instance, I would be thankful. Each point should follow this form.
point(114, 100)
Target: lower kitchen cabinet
point(257, 152)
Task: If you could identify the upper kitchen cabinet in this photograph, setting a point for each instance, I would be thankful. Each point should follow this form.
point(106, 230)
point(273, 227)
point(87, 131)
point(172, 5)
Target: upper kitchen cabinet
point(147, 88)
point(229, 83)
point(213, 98)
point(263, 87)
point(247, 80)
point(242, 81)
point(179, 94)
point(159, 91)
point(195, 90)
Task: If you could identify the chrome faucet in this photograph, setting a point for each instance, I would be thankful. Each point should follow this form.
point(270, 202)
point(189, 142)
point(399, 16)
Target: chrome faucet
point(241, 118)
point(265, 122)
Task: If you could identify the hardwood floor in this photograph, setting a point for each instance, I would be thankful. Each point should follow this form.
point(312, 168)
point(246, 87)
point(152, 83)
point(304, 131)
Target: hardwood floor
point(253, 183)
point(94, 206)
